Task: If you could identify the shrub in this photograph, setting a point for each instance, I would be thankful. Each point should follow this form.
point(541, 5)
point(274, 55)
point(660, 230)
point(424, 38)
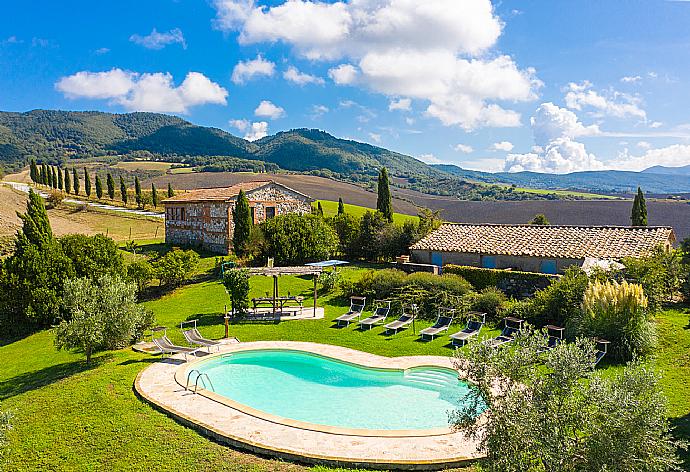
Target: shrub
point(559, 302)
point(329, 280)
point(490, 301)
point(617, 313)
point(236, 283)
point(347, 227)
point(54, 199)
point(176, 266)
point(93, 256)
point(661, 275)
point(294, 239)
point(481, 278)
point(140, 272)
point(102, 314)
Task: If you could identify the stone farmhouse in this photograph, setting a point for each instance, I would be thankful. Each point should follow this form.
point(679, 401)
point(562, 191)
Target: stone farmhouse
point(534, 248)
point(203, 217)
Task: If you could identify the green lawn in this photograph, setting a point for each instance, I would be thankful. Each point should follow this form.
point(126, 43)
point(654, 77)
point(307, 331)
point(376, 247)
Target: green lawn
point(568, 193)
point(69, 416)
point(330, 208)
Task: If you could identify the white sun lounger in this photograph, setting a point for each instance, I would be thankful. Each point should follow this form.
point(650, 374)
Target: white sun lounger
point(355, 313)
point(166, 346)
point(383, 307)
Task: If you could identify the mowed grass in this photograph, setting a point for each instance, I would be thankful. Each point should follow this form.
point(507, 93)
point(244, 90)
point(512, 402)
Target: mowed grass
point(568, 193)
point(330, 208)
point(119, 226)
point(69, 416)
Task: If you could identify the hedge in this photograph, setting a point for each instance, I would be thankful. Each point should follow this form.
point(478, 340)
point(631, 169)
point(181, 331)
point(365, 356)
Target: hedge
point(513, 282)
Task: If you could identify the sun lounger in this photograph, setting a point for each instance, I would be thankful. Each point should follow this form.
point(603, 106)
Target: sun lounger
point(602, 349)
point(474, 326)
point(408, 315)
point(166, 346)
point(355, 313)
point(193, 336)
point(555, 334)
point(443, 322)
point(383, 307)
point(512, 326)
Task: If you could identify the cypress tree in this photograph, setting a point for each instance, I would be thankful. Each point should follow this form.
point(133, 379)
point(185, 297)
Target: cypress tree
point(99, 187)
point(33, 171)
point(154, 195)
point(639, 209)
point(171, 193)
point(319, 209)
point(75, 181)
point(54, 179)
point(68, 182)
point(242, 220)
point(383, 202)
point(50, 176)
point(44, 174)
point(137, 191)
point(341, 206)
point(61, 184)
point(87, 182)
point(111, 186)
point(123, 190)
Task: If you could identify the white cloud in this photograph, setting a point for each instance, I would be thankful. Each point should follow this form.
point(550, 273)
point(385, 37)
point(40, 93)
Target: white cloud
point(631, 79)
point(375, 137)
point(344, 74)
point(267, 109)
point(404, 104)
point(156, 40)
point(502, 146)
point(101, 51)
point(292, 74)
point(434, 51)
point(240, 125)
point(318, 110)
point(463, 148)
point(248, 70)
point(551, 122)
point(644, 145)
point(430, 159)
point(676, 155)
point(258, 130)
point(410, 121)
point(617, 104)
point(143, 92)
point(655, 124)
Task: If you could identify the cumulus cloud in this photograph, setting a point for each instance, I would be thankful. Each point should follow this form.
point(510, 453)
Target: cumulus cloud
point(502, 146)
point(644, 145)
point(617, 104)
point(292, 74)
point(556, 150)
point(631, 79)
point(267, 109)
point(240, 124)
point(318, 110)
point(433, 51)
point(344, 74)
point(676, 155)
point(156, 40)
point(430, 159)
point(248, 70)
point(258, 130)
point(143, 92)
point(464, 148)
point(375, 137)
point(403, 104)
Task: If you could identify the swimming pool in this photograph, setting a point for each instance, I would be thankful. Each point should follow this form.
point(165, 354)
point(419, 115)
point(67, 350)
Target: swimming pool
point(310, 388)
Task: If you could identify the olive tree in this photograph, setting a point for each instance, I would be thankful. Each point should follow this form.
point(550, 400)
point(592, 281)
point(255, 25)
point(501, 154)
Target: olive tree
point(103, 314)
point(550, 411)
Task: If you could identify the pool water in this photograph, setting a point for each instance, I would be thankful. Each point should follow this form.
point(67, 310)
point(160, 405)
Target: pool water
point(314, 389)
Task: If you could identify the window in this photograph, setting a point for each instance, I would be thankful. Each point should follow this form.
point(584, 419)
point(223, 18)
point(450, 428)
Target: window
point(489, 262)
point(437, 259)
point(548, 266)
point(270, 212)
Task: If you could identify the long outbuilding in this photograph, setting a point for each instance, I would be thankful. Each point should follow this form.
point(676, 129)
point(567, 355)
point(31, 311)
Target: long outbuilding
point(536, 248)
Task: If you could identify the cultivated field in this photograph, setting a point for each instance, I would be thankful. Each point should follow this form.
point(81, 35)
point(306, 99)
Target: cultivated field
point(144, 165)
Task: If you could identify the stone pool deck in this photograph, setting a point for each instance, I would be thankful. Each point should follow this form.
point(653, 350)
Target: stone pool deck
point(162, 385)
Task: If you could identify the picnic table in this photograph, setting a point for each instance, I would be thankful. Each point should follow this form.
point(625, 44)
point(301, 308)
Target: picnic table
point(278, 303)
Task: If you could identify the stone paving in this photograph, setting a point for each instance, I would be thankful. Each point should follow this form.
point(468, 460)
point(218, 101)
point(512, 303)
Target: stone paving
point(264, 434)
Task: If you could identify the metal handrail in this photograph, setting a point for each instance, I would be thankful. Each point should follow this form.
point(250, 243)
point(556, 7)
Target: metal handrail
point(189, 374)
point(201, 376)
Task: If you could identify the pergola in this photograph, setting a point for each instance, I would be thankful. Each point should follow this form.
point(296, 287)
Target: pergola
point(276, 272)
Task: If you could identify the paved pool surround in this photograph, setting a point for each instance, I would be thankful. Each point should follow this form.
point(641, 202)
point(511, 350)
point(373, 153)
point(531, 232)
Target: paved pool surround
point(163, 385)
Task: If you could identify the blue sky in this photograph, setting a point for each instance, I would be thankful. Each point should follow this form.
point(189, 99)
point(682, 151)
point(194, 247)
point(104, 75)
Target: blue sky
point(529, 85)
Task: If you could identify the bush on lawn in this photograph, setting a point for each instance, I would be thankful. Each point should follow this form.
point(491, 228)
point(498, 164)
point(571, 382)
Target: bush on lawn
point(140, 272)
point(176, 266)
point(490, 301)
point(93, 256)
point(661, 275)
point(294, 239)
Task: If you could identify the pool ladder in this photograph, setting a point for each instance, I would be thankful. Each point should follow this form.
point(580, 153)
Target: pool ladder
point(199, 376)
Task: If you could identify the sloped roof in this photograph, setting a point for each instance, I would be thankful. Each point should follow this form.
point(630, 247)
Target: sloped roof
point(223, 194)
point(576, 242)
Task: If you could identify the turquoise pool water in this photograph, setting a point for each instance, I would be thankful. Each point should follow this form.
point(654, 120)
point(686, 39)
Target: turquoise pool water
point(323, 391)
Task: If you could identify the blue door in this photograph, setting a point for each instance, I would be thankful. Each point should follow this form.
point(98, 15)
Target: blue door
point(549, 266)
point(437, 259)
point(489, 262)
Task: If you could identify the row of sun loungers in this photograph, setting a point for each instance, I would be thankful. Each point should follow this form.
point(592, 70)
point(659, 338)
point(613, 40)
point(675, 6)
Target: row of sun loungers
point(166, 347)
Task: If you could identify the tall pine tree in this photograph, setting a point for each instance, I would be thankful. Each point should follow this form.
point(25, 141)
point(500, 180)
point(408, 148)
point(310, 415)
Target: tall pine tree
point(53, 179)
point(137, 191)
point(341, 206)
point(154, 195)
point(242, 222)
point(319, 209)
point(44, 174)
point(99, 187)
point(639, 210)
point(383, 202)
point(123, 190)
point(75, 181)
point(171, 192)
point(61, 183)
point(110, 182)
point(68, 181)
point(33, 171)
point(87, 182)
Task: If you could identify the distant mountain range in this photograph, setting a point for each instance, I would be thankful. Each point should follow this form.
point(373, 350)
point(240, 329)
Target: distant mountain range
point(656, 180)
point(57, 136)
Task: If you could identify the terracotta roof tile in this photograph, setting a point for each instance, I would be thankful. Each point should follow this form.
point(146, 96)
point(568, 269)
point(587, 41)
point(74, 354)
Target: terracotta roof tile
point(576, 242)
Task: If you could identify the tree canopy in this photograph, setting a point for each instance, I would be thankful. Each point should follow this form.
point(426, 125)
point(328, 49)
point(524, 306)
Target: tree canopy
point(384, 203)
point(242, 224)
point(639, 209)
